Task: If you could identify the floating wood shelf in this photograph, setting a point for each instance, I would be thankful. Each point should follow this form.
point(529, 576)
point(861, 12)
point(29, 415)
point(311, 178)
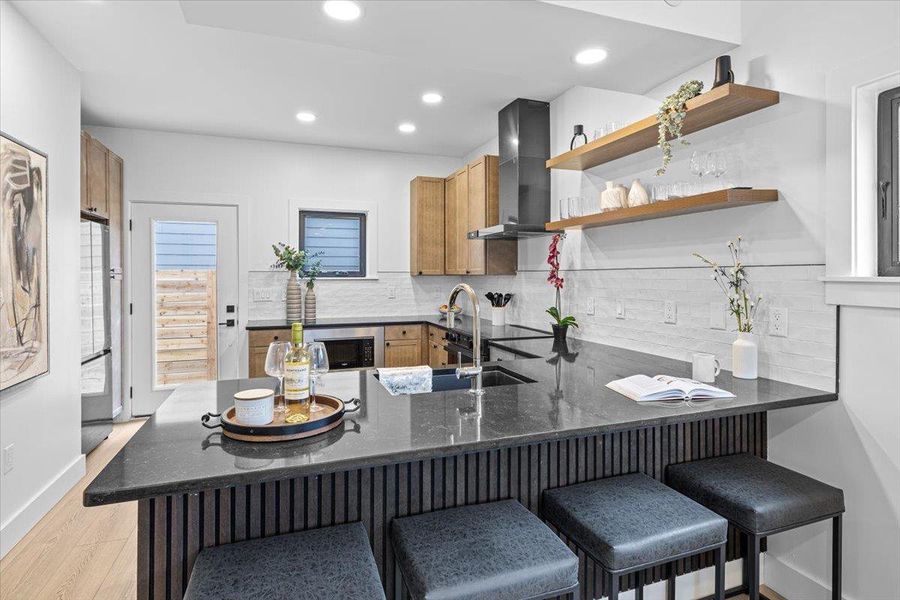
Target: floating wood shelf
point(669, 208)
point(716, 106)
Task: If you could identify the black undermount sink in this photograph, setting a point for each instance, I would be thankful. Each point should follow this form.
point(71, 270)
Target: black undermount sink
point(444, 380)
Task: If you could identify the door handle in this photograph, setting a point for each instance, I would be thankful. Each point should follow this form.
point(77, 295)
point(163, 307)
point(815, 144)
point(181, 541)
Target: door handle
point(228, 323)
point(883, 186)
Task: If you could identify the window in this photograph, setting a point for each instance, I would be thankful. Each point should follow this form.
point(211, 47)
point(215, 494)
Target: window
point(889, 183)
point(338, 238)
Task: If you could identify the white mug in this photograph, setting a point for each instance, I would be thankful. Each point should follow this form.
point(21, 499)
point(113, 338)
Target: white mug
point(705, 367)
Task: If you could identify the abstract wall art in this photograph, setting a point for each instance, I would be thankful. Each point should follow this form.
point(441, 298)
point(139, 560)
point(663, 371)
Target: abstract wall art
point(24, 341)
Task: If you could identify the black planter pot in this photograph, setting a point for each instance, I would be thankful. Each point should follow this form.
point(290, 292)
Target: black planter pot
point(559, 332)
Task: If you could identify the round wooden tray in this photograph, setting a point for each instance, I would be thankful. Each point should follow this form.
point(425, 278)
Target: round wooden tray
point(279, 430)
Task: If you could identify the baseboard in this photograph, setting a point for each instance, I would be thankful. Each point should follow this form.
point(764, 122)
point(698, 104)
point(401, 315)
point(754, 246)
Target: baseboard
point(15, 528)
point(791, 583)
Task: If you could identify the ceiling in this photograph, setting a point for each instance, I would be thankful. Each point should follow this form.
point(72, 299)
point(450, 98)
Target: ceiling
point(245, 68)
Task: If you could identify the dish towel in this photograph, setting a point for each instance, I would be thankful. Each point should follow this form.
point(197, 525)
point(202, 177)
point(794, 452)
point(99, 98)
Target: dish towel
point(406, 380)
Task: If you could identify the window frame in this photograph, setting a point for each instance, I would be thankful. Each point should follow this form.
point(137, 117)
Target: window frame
point(888, 193)
point(357, 215)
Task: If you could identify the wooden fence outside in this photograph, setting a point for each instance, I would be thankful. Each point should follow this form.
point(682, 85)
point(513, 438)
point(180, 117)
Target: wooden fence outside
point(185, 326)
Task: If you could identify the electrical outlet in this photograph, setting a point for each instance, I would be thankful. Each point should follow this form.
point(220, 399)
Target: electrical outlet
point(589, 306)
point(670, 312)
point(392, 293)
point(778, 321)
point(716, 316)
point(620, 309)
point(9, 458)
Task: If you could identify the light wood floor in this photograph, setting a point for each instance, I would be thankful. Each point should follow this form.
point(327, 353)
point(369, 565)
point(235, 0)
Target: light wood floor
point(76, 552)
point(83, 553)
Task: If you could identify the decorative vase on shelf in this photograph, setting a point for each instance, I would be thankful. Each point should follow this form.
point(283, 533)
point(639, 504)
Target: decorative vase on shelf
point(309, 306)
point(559, 332)
point(613, 197)
point(293, 299)
point(637, 195)
point(744, 356)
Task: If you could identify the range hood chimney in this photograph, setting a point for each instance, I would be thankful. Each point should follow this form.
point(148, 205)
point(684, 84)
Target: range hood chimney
point(524, 127)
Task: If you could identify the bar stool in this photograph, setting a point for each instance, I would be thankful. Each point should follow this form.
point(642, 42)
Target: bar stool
point(629, 523)
point(496, 551)
point(760, 499)
point(332, 562)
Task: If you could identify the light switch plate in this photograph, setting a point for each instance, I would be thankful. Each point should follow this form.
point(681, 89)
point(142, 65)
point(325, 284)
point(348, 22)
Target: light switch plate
point(589, 306)
point(778, 321)
point(9, 458)
point(392, 293)
point(716, 316)
point(620, 309)
point(670, 314)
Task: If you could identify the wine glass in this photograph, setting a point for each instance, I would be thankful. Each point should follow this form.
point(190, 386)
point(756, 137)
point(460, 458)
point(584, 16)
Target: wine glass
point(709, 167)
point(563, 209)
point(699, 164)
point(318, 366)
point(721, 167)
point(275, 368)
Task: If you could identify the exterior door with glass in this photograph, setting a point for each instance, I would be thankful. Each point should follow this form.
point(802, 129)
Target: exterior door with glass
point(184, 298)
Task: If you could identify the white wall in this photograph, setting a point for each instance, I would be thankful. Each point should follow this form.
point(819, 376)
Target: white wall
point(40, 105)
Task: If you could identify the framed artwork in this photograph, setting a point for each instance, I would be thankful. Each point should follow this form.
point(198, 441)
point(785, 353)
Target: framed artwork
point(24, 339)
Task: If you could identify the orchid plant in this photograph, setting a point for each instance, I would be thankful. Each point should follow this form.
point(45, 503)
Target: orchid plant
point(736, 287)
point(557, 282)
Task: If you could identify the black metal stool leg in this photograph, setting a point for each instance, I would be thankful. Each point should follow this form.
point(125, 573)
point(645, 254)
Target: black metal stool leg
point(745, 570)
point(613, 587)
point(639, 585)
point(836, 535)
point(753, 566)
point(670, 584)
point(720, 573)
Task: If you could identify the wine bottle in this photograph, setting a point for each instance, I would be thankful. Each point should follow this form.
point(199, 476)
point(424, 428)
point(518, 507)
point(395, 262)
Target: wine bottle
point(296, 375)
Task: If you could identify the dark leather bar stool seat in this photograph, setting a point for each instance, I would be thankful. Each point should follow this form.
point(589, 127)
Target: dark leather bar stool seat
point(632, 522)
point(496, 551)
point(332, 562)
point(761, 498)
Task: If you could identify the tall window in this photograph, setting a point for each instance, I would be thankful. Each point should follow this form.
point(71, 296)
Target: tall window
point(338, 238)
point(889, 183)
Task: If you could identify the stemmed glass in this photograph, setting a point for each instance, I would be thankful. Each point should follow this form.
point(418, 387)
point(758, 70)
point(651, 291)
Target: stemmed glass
point(275, 368)
point(699, 165)
point(318, 366)
point(719, 164)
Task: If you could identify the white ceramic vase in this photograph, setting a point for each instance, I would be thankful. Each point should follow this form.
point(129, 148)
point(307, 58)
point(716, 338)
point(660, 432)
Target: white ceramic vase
point(613, 197)
point(293, 298)
point(744, 356)
point(637, 195)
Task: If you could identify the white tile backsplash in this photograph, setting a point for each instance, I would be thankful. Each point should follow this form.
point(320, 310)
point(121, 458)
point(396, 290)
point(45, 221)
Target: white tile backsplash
point(806, 356)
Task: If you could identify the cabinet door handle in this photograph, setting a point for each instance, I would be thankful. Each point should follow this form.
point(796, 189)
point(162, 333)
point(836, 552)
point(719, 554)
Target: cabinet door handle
point(387, 343)
point(275, 337)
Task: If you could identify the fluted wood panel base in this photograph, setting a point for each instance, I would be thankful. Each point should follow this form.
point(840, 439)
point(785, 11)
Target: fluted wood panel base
point(173, 529)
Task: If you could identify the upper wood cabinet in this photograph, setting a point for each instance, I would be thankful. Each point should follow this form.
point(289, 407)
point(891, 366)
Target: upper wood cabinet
point(114, 170)
point(477, 205)
point(426, 221)
point(96, 185)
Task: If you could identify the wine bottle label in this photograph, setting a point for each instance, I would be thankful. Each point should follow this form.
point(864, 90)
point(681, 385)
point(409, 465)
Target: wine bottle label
point(296, 381)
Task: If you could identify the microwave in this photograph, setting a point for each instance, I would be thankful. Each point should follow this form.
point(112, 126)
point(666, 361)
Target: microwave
point(350, 347)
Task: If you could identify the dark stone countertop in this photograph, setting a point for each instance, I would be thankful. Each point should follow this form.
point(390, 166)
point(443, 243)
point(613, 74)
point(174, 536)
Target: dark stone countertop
point(174, 453)
point(462, 324)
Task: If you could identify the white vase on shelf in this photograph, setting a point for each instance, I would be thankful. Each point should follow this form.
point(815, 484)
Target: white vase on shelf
point(613, 197)
point(637, 195)
point(744, 356)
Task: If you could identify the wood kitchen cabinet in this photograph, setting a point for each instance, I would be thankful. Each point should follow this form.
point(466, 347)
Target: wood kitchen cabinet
point(258, 342)
point(474, 203)
point(403, 345)
point(95, 177)
point(426, 219)
point(437, 347)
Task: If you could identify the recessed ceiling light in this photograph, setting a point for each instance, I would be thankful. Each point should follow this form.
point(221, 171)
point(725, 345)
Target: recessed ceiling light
point(406, 127)
point(591, 56)
point(306, 117)
point(432, 98)
point(342, 10)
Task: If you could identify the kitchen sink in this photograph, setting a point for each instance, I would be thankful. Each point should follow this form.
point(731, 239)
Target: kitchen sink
point(444, 380)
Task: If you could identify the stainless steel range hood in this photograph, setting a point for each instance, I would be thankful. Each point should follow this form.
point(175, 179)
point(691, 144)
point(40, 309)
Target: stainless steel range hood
point(524, 128)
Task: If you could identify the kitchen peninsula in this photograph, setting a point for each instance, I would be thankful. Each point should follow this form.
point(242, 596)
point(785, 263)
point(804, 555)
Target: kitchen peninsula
point(407, 454)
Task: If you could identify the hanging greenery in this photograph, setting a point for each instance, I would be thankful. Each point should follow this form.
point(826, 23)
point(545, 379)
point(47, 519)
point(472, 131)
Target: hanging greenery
point(671, 117)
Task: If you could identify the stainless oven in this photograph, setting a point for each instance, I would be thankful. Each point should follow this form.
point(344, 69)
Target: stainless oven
point(350, 347)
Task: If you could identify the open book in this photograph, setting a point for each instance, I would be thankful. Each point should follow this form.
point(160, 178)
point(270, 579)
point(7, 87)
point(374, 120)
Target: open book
point(664, 387)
